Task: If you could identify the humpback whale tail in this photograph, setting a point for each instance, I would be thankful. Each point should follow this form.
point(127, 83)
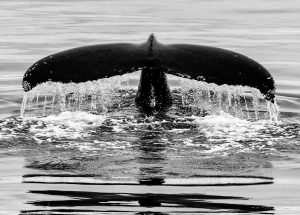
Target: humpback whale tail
point(203, 63)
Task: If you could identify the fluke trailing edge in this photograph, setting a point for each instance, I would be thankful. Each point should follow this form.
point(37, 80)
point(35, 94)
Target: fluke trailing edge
point(203, 63)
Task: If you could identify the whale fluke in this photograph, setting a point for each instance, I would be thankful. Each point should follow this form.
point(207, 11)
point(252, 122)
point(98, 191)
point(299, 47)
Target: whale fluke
point(203, 63)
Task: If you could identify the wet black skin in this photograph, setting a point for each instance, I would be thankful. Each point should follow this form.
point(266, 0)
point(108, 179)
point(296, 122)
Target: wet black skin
point(153, 92)
point(203, 63)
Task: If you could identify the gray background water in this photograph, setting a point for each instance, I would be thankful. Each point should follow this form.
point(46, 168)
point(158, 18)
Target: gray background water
point(265, 30)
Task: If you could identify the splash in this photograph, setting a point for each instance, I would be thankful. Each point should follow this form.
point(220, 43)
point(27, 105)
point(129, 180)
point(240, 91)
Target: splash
point(241, 101)
point(103, 95)
point(93, 96)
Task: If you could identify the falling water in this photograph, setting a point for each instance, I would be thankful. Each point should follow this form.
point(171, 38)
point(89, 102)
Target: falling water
point(99, 96)
point(241, 101)
point(92, 96)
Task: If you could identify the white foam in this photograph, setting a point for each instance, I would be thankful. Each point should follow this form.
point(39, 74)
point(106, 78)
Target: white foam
point(226, 132)
point(66, 124)
point(228, 125)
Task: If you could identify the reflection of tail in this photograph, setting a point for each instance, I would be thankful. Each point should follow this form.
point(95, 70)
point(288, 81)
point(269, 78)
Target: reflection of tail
point(127, 202)
point(151, 158)
point(203, 63)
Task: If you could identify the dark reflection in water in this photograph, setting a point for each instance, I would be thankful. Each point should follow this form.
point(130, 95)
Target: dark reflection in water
point(151, 158)
point(124, 201)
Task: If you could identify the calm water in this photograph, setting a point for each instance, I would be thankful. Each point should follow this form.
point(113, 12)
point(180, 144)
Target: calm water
point(81, 163)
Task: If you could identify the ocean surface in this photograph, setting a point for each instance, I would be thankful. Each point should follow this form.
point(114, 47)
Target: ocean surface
point(103, 157)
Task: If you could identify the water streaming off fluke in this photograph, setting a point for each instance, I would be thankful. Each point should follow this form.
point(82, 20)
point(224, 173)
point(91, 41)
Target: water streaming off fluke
point(240, 101)
point(195, 97)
